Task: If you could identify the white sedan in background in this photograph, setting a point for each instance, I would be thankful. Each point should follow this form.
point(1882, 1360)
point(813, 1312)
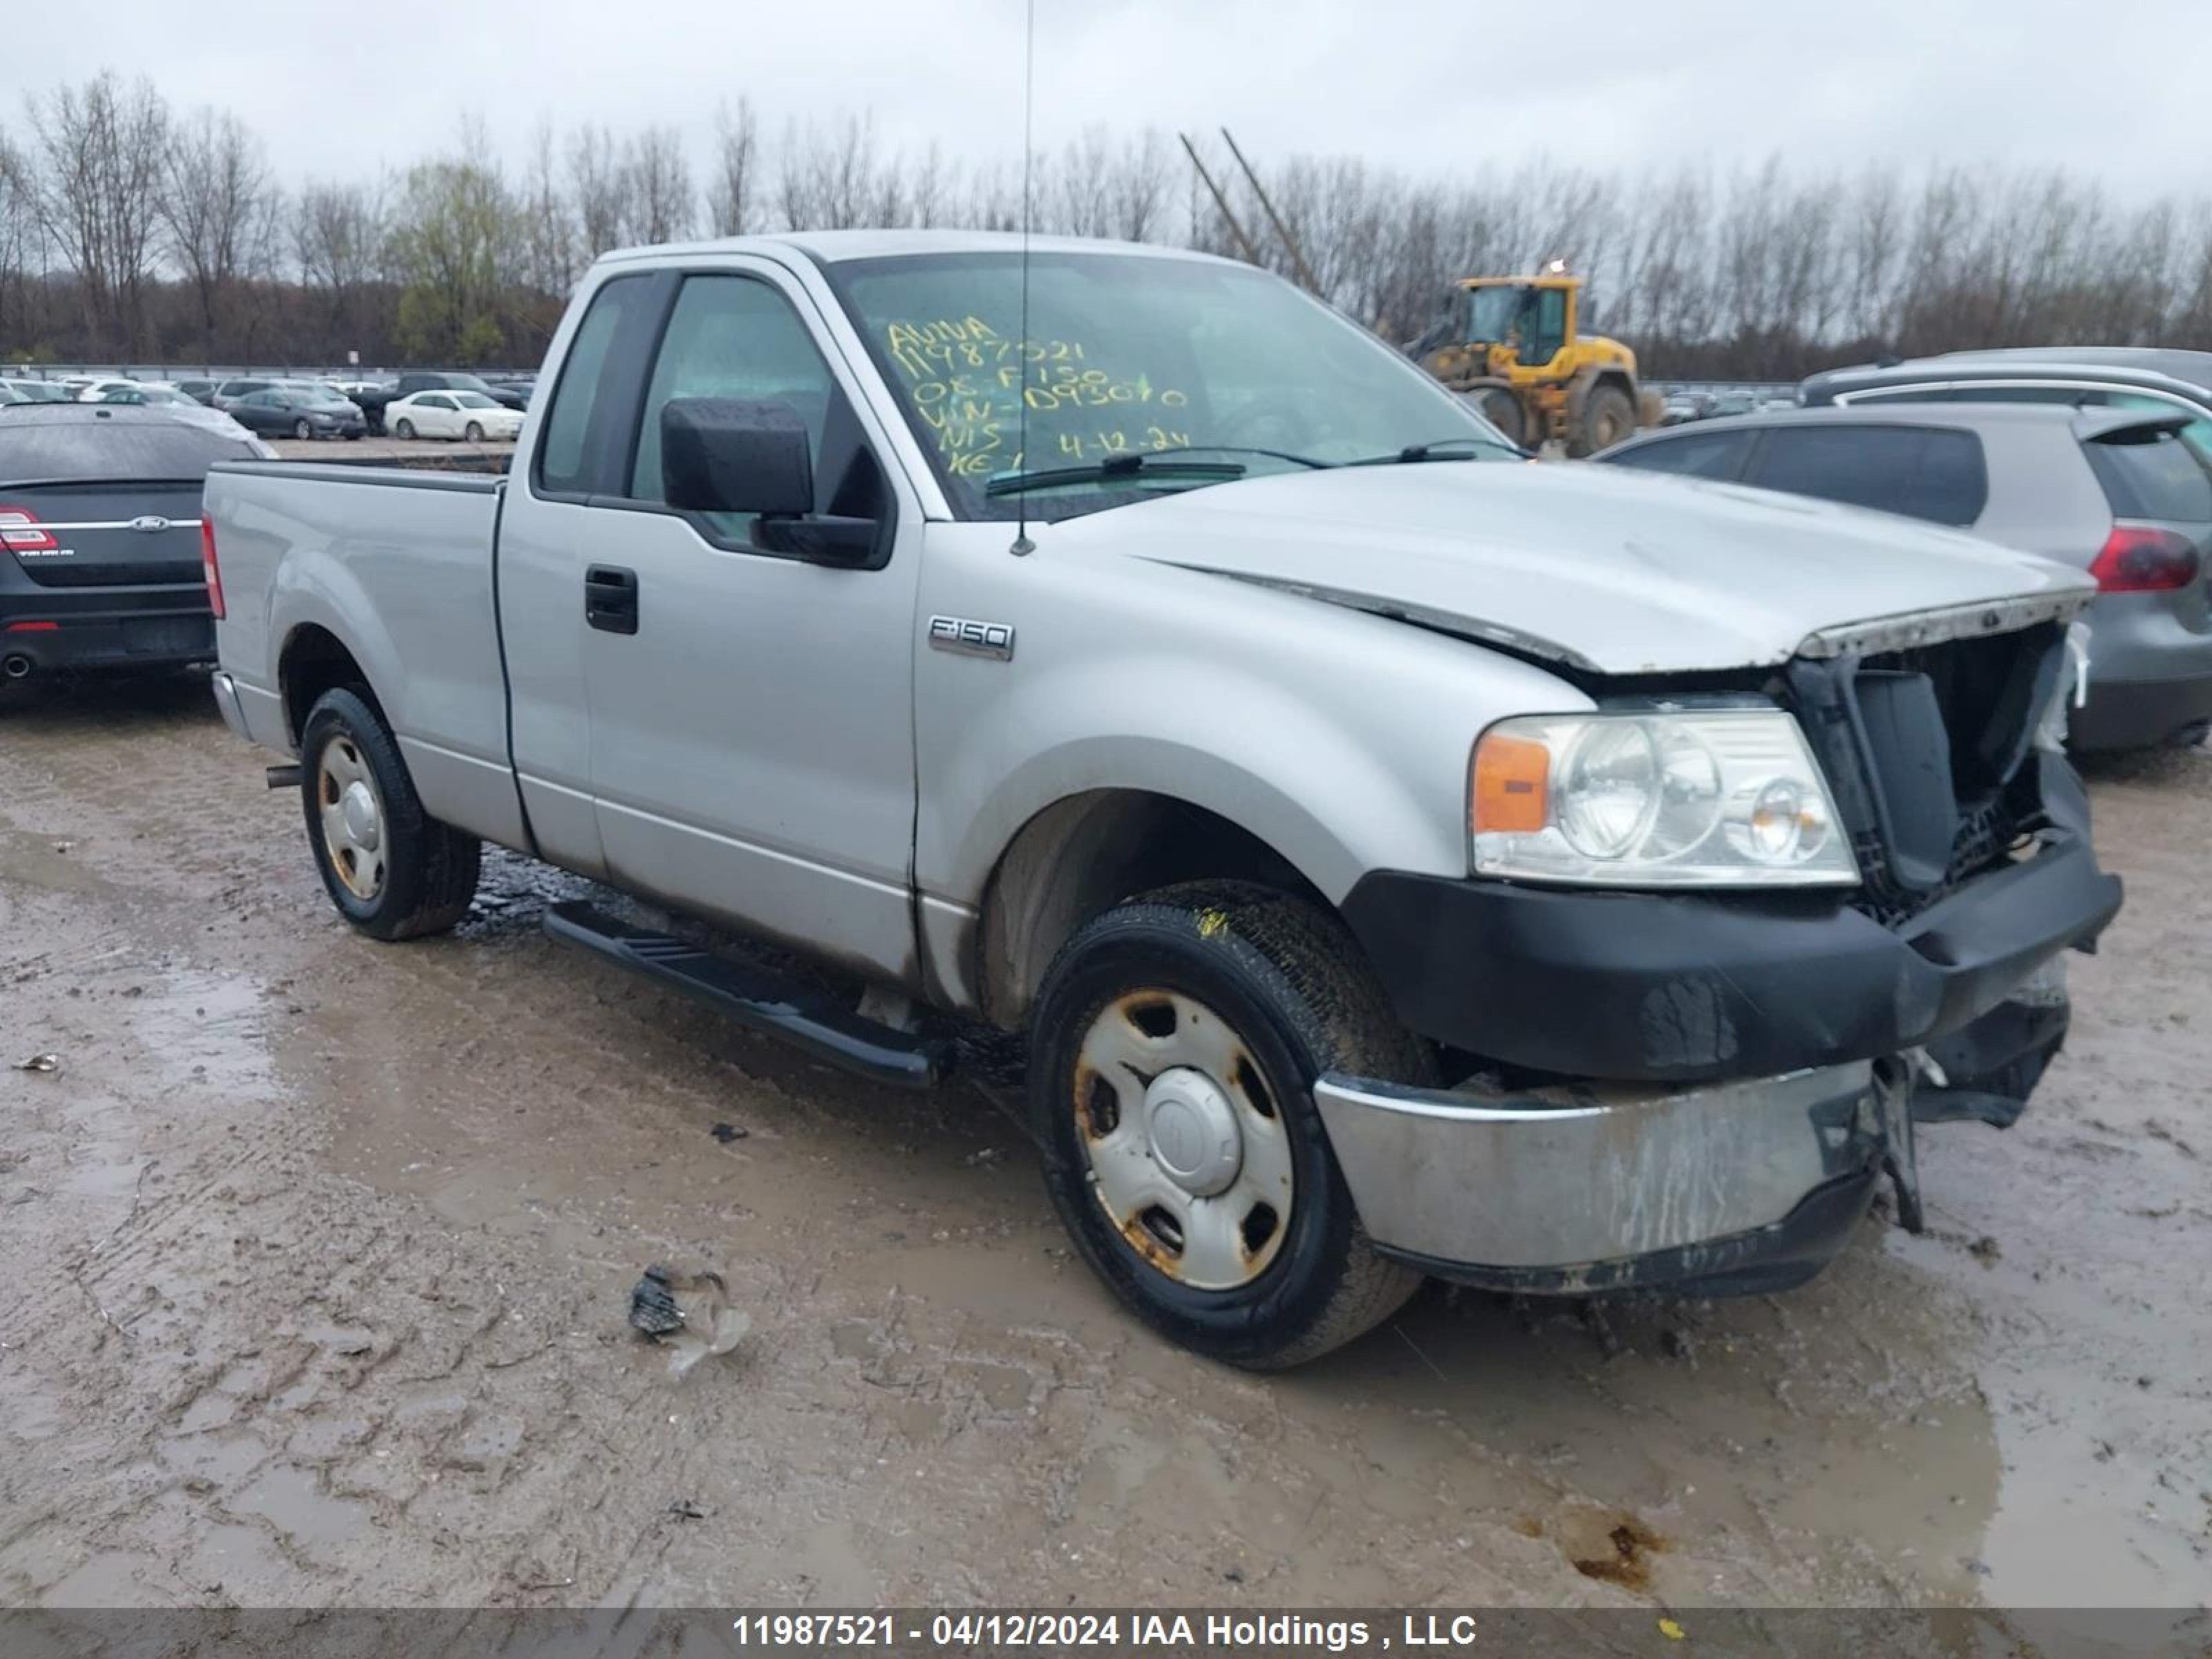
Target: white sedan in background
point(468, 415)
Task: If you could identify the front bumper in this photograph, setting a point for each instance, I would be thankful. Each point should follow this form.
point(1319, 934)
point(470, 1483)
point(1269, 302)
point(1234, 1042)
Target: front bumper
point(1657, 988)
point(1726, 1188)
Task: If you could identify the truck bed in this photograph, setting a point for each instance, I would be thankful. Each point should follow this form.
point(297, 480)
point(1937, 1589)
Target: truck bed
point(398, 562)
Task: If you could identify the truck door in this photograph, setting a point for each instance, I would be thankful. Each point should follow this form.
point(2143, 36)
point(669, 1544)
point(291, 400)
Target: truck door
point(750, 712)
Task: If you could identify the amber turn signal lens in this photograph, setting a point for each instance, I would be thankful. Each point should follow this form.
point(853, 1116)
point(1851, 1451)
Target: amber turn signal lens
point(1512, 779)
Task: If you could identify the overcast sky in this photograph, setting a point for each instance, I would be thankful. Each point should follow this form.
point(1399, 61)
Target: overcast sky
point(2117, 92)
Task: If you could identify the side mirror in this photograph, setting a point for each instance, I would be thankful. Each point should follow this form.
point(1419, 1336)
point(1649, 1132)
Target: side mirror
point(728, 455)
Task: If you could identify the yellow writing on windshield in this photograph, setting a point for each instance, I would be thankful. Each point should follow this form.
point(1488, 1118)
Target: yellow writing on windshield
point(969, 382)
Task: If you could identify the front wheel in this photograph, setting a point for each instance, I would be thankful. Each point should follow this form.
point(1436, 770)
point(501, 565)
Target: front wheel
point(392, 870)
point(1176, 1041)
point(474, 434)
point(301, 429)
point(1607, 418)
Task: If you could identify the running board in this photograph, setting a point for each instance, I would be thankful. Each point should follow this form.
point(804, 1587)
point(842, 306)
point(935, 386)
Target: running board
point(758, 998)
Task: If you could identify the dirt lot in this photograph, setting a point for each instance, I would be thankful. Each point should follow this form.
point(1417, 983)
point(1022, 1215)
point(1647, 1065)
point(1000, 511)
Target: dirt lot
point(314, 1256)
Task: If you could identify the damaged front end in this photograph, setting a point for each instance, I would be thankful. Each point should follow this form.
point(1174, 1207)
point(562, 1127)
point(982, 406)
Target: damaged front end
point(1705, 1090)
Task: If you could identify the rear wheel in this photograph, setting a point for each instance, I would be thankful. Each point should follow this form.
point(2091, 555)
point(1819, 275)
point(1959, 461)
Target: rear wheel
point(1607, 418)
point(1176, 1043)
point(392, 870)
point(405, 429)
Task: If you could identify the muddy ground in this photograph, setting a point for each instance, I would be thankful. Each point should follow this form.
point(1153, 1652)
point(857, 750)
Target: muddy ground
point(315, 1254)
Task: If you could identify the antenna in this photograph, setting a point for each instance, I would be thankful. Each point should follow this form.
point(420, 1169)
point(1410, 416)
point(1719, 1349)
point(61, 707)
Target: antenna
point(1023, 545)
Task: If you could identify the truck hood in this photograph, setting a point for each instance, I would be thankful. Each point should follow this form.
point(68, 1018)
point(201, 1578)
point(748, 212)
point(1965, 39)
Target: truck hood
point(1597, 567)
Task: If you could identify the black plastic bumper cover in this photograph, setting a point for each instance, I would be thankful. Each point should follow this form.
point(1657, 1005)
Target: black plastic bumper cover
point(1650, 988)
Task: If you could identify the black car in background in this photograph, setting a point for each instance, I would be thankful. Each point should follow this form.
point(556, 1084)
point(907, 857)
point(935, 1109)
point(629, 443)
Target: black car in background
point(298, 411)
point(99, 537)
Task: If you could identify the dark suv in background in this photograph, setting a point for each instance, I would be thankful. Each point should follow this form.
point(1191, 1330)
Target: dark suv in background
point(2120, 493)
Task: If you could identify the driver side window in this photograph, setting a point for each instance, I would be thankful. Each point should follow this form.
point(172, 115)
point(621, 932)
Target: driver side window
point(732, 336)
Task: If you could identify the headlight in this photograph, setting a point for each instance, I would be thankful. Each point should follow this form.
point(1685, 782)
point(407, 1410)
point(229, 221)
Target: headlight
point(1721, 798)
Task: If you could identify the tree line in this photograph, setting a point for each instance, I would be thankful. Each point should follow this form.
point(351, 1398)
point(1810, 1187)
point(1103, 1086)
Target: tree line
point(134, 230)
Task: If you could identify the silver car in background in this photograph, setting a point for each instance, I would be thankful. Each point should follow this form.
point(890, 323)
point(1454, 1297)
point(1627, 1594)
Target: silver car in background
point(2119, 493)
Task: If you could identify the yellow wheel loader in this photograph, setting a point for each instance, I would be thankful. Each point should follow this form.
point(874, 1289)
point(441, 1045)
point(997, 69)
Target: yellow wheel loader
point(1511, 344)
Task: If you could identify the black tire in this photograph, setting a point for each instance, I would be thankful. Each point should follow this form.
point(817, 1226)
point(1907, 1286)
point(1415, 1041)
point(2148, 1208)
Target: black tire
point(473, 432)
point(1287, 982)
point(1503, 410)
point(301, 429)
point(404, 429)
point(1607, 418)
point(428, 868)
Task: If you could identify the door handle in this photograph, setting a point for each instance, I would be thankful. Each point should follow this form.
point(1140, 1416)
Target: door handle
point(611, 598)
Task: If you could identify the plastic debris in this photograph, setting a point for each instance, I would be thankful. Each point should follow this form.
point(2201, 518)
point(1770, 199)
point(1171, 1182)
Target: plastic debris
point(40, 1063)
point(726, 1132)
point(690, 1314)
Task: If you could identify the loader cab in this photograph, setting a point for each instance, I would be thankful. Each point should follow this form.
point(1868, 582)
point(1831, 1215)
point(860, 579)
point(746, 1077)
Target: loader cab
point(1535, 315)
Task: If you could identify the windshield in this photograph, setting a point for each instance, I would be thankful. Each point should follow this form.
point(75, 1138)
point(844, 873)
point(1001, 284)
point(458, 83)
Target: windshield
point(1133, 356)
point(1493, 314)
point(33, 451)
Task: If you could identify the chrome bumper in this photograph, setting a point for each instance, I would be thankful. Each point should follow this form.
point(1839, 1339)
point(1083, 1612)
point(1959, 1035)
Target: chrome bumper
point(1538, 1187)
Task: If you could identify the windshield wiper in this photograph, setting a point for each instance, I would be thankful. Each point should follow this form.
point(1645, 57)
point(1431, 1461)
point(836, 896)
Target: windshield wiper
point(1151, 464)
point(1115, 466)
point(1427, 451)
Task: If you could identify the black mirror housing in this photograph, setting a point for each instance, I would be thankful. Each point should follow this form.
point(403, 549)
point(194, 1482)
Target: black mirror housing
point(733, 455)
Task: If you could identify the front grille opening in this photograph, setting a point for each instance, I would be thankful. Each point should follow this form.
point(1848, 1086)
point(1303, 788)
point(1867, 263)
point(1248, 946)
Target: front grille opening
point(1989, 691)
point(1937, 742)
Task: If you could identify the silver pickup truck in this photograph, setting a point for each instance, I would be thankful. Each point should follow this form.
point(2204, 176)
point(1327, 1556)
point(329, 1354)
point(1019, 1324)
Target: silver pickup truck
point(1402, 858)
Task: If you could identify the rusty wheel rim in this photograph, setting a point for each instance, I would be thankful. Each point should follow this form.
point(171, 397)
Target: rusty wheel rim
point(350, 809)
point(1189, 1157)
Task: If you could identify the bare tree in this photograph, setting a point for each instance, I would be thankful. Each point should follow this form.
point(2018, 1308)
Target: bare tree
point(736, 178)
point(219, 209)
point(658, 204)
point(20, 235)
point(550, 222)
point(596, 187)
point(338, 240)
point(100, 193)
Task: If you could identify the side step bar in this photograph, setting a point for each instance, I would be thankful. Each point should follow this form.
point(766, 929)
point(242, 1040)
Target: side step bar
point(756, 997)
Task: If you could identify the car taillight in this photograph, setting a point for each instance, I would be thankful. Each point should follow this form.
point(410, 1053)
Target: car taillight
point(20, 529)
point(2142, 558)
point(210, 569)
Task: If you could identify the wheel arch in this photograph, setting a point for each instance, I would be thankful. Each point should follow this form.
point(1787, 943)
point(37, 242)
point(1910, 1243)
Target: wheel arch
point(312, 660)
point(1085, 852)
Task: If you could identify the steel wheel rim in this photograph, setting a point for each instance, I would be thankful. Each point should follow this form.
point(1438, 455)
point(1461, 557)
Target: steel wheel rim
point(350, 808)
point(1154, 1065)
